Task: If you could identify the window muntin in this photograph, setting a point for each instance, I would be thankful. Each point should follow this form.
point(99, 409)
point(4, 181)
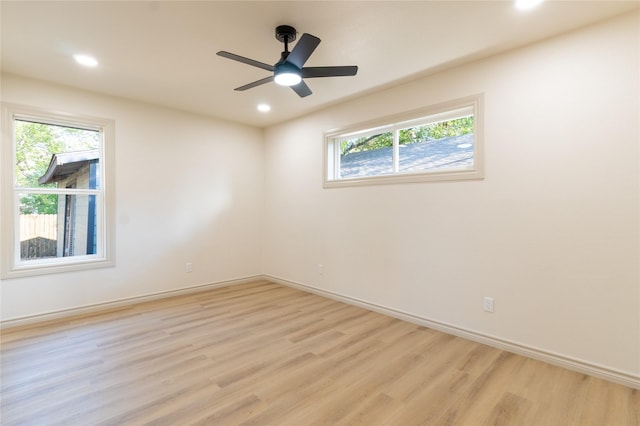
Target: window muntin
point(442, 142)
point(56, 205)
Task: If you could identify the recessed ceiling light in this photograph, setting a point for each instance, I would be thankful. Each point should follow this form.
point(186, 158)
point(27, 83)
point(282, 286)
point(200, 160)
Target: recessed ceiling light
point(264, 108)
point(86, 60)
point(527, 4)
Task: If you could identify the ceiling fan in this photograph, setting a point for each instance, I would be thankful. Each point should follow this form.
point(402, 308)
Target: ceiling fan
point(290, 69)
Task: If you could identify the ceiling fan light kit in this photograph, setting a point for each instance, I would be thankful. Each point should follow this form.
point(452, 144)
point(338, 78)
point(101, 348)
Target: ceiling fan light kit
point(290, 70)
point(286, 74)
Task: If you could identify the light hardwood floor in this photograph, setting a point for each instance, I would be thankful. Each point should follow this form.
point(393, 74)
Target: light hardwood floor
point(261, 353)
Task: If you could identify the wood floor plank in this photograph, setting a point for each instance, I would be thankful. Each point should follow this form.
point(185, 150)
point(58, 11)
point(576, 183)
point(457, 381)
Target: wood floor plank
point(509, 408)
point(375, 410)
point(261, 353)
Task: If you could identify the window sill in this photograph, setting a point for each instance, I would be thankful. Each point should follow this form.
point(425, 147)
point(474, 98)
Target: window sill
point(41, 267)
point(391, 179)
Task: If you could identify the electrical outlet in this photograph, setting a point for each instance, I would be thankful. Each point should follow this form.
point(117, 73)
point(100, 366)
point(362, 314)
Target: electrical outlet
point(488, 304)
point(188, 267)
point(320, 268)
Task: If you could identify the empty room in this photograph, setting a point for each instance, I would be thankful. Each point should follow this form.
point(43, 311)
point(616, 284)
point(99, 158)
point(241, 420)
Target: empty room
point(437, 222)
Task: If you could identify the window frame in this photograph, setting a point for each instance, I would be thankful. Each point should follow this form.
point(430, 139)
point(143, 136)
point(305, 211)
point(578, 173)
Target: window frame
point(12, 266)
point(432, 113)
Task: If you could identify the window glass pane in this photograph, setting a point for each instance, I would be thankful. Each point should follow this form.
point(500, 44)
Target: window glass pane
point(69, 231)
point(441, 145)
point(49, 155)
point(367, 156)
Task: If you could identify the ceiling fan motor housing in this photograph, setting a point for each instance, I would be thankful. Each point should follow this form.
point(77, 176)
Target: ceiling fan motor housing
point(285, 33)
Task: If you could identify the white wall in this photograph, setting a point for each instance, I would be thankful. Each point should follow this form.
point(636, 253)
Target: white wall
point(552, 232)
point(188, 189)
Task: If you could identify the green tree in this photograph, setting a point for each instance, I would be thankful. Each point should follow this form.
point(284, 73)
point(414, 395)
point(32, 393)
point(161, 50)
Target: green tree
point(368, 143)
point(433, 131)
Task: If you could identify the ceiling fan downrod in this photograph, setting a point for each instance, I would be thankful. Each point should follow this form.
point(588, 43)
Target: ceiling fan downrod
point(285, 34)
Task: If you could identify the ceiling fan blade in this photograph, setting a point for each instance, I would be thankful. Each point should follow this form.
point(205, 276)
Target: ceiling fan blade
point(302, 89)
point(255, 83)
point(313, 72)
point(244, 60)
point(302, 50)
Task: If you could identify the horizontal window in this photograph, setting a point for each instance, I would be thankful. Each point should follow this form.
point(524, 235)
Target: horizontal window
point(442, 142)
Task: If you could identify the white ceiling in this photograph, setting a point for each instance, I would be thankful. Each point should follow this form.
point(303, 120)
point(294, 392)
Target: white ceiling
point(164, 52)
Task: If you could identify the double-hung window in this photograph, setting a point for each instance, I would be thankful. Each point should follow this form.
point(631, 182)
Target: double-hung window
point(57, 192)
point(441, 142)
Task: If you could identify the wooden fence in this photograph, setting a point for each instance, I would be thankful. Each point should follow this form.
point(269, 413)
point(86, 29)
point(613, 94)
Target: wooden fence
point(38, 235)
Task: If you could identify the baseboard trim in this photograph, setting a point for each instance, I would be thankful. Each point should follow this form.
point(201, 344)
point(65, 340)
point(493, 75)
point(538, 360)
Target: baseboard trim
point(591, 369)
point(602, 372)
point(119, 303)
